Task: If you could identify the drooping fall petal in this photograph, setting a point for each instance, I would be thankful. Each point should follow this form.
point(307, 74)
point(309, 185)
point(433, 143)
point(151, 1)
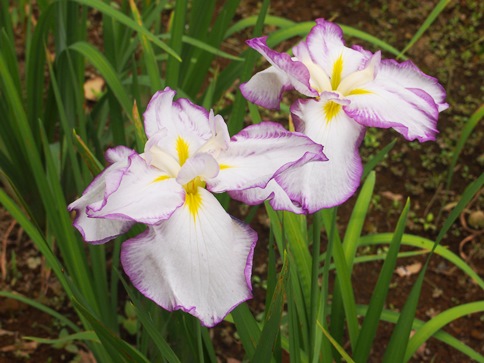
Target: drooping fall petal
point(199, 261)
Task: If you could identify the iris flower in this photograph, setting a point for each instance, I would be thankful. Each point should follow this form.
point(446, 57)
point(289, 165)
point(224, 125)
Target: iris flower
point(346, 90)
point(192, 256)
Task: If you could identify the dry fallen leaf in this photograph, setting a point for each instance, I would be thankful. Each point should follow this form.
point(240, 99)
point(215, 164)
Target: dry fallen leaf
point(392, 196)
point(93, 88)
point(409, 270)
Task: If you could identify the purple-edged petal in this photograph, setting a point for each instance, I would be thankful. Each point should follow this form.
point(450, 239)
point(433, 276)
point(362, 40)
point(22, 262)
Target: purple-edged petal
point(273, 193)
point(324, 185)
point(259, 152)
point(180, 117)
point(297, 74)
point(266, 88)
point(385, 103)
point(94, 230)
point(326, 47)
point(144, 194)
point(200, 263)
point(407, 75)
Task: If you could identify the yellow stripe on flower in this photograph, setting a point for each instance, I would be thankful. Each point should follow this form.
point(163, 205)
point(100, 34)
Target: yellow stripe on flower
point(337, 72)
point(331, 109)
point(193, 201)
point(359, 91)
point(160, 178)
point(182, 150)
point(224, 166)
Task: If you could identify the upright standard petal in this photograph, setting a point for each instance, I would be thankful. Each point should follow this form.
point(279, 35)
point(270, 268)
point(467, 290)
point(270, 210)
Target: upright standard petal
point(144, 195)
point(324, 185)
point(199, 261)
point(265, 88)
point(259, 152)
point(326, 47)
point(180, 117)
point(94, 230)
point(287, 74)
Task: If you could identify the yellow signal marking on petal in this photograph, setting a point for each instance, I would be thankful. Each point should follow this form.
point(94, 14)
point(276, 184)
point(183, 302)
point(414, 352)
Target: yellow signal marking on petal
point(224, 166)
point(337, 71)
point(182, 150)
point(161, 178)
point(359, 91)
point(331, 109)
point(193, 201)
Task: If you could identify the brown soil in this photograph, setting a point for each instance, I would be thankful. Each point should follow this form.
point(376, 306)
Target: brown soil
point(449, 50)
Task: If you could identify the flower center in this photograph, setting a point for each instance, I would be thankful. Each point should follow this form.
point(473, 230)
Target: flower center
point(192, 186)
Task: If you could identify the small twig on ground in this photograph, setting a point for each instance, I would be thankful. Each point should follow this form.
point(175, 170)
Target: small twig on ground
point(3, 256)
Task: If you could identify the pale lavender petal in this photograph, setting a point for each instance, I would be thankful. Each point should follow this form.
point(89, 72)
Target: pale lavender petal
point(384, 103)
point(259, 152)
point(144, 194)
point(94, 230)
point(180, 117)
point(296, 72)
point(407, 75)
point(200, 263)
point(265, 88)
point(324, 185)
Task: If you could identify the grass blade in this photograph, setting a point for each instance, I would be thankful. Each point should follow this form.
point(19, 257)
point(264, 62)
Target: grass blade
point(438, 322)
point(127, 21)
point(335, 344)
point(392, 317)
point(372, 317)
point(399, 339)
point(119, 350)
point(247, 328)
point(426, 24)
point(466, 132)
point(64, 320)
point(271, 329)
point(89, 336)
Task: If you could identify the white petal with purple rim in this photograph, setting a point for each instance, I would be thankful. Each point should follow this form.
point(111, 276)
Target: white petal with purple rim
point(179, 118)
point(277, 197)
point(265, 88)
point(326, 46)
point(407, 75)
point(144, 195)
point(384, 103)
point(257, 153)
point(324, 185)
point(96, 230)
point(297, 73)
point(200, 264)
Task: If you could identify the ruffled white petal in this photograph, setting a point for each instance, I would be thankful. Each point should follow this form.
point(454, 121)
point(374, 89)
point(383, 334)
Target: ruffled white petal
point(181, 118)
point(297, 74)
point(326, 47)
point(384, 103)
point(324, 185)
point(407, 75)
point(273, 193)
point(259, 152)
point(94, 230)
point(265, 88)
point(144, 194)
point(200, 264)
